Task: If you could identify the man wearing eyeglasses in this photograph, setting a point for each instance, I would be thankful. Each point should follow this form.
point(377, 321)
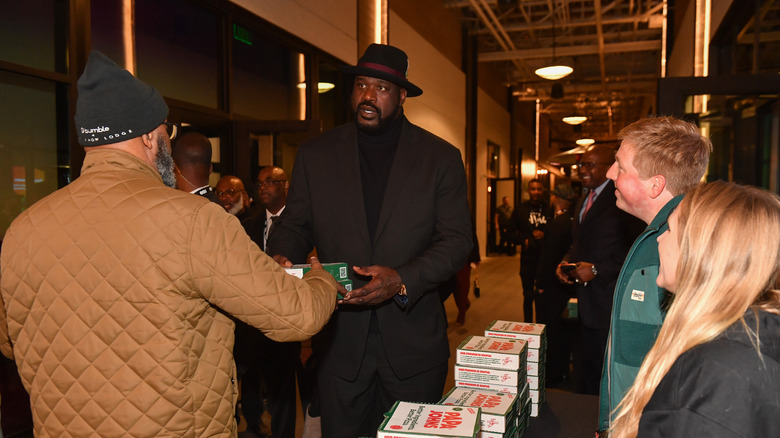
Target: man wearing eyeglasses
point(233, 196)
point(118, 288)
point(263, 362)
point(272, 186)
point(601, 237)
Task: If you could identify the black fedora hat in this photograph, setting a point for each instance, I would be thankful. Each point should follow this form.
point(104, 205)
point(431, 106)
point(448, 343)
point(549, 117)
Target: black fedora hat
point(385, 62)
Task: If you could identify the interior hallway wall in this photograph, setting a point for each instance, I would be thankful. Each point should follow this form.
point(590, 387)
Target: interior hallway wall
point(442, 107)
point(329, 25)
point(493, 124)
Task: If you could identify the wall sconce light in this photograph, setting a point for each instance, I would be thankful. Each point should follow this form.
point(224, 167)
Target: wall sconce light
point(322, 87)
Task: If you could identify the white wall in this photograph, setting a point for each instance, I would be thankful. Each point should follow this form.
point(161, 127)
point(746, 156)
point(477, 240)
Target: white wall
point(329, 25)
point(680, 62)
point(493, 123)
point(441, 108)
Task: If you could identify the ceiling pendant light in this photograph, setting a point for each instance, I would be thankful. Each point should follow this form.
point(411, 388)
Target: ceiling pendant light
point(574, 120)
point(555, 71)
point(585, 141)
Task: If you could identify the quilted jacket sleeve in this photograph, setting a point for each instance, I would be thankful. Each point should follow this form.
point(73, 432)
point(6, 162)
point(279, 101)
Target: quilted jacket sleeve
point(5, 341)
point(231, 272)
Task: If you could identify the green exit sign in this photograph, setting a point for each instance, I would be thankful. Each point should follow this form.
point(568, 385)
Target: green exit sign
point(242, 34)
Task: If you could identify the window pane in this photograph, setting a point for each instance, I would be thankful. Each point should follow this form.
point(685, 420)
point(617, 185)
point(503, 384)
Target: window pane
point(177, 50)
point(265, 78)
point(29, 158)
point(31, 35)
point(331, 100)
point(107, 28)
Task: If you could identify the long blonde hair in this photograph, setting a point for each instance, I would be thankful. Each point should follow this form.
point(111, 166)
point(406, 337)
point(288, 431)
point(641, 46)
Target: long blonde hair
point(729, 238)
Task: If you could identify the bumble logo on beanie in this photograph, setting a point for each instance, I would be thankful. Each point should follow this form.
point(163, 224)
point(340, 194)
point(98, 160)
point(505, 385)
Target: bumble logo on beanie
point(113, 105)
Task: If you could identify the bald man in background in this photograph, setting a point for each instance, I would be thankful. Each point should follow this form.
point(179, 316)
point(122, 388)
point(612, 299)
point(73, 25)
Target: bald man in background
point(192, 157)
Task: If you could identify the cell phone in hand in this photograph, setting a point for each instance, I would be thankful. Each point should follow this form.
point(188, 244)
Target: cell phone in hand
point(568, 268)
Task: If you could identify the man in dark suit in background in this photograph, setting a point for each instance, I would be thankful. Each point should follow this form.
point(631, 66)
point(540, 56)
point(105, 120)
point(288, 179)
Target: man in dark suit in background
point(192, 157)
point(602, 235)
point(264, 363)
point(390, 199)
point(529, 221)
point(272, 187)
point(552, 294)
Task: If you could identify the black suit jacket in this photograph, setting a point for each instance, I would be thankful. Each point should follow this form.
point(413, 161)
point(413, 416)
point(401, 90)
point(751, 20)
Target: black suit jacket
point(603, 239)
point(424, 232)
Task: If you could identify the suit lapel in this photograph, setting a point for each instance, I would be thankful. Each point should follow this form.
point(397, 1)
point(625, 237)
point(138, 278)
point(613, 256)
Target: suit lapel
point(348, 168)
point(403, 163)
point(578, 208)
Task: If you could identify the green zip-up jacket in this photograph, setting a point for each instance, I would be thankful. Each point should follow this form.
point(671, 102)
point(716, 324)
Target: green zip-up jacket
point(637, 314)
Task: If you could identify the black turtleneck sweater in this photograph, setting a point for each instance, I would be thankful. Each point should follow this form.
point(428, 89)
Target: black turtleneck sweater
point(376, 152)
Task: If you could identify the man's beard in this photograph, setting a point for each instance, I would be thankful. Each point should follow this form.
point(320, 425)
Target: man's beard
point(237, 206)
point(382, 122)
point(164, 162)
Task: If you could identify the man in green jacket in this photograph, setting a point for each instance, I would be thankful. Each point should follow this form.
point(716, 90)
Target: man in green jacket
point(659, 160)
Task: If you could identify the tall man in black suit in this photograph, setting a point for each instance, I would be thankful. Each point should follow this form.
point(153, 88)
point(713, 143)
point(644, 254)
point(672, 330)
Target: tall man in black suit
point(388, 198)
point(602, 234)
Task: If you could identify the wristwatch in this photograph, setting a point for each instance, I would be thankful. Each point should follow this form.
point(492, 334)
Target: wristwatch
point(593, 270)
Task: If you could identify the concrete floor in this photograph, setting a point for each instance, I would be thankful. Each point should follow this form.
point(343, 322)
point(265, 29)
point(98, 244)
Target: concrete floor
point(501, 297)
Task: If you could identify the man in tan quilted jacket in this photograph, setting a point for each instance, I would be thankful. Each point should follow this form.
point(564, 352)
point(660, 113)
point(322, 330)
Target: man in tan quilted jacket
point(116, 287)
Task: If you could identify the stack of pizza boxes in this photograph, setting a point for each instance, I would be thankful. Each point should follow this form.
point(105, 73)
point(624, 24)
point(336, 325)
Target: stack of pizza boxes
point(536, 337)
point(502, 414)
point(495, 366)
point(420, 420)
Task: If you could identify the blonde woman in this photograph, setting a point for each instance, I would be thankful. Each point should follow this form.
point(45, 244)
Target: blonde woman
point(714, 370)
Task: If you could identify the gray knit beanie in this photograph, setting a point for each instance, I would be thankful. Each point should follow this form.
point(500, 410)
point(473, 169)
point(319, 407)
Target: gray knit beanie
point(113, 105)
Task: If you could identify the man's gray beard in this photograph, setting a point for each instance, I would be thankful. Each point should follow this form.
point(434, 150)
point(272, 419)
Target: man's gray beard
point(236, 208)
point(164, 162)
